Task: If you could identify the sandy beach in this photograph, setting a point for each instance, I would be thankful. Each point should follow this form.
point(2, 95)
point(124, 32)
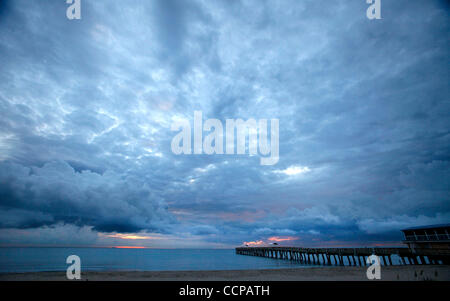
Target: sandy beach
point(388, 273)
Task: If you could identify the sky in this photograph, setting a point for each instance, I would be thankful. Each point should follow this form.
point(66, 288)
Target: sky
point(87, 108)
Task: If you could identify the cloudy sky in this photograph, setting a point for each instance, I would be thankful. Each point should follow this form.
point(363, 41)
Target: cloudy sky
point(87, 107)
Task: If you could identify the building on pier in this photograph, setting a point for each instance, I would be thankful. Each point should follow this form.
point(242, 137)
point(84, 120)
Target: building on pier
point(427, 237)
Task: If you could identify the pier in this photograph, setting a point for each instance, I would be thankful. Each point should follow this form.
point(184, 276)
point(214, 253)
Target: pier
point(349, 256)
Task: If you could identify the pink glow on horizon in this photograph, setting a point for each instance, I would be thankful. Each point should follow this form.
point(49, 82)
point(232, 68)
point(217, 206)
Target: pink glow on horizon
point(129, 247)
point(254, 243)
point(282, 238)
point(129, 236)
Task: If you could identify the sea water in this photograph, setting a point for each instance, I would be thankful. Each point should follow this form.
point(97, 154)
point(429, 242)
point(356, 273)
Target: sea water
point(108, 259)
point(114, 259)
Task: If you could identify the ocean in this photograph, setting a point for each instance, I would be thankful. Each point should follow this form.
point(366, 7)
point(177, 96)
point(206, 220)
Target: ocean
point(107, 259)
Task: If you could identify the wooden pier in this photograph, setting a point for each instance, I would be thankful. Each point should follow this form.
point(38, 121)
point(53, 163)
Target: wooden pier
point(349, 256)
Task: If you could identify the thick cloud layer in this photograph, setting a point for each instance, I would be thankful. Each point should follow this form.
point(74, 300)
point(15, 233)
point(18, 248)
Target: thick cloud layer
point(87, 106)
point(55, 193)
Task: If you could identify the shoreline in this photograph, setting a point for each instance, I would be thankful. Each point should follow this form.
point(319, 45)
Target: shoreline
point(346, 273)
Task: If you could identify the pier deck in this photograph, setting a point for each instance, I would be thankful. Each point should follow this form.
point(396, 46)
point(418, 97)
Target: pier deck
point(351, 256)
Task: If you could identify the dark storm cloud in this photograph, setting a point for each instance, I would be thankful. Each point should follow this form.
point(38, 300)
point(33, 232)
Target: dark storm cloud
point(56, 193)
point(87, 107)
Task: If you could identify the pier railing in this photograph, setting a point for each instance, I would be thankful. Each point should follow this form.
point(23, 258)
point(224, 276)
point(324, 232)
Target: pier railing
point(349, 256)
point(430, 237)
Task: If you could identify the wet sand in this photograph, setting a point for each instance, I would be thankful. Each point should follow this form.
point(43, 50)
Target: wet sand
point(388, 273)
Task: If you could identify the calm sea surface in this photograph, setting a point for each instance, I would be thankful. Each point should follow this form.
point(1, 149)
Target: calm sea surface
point(54, 259)
point(107, 259)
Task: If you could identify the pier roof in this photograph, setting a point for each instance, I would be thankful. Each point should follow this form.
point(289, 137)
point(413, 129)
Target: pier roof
point(428, 227)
